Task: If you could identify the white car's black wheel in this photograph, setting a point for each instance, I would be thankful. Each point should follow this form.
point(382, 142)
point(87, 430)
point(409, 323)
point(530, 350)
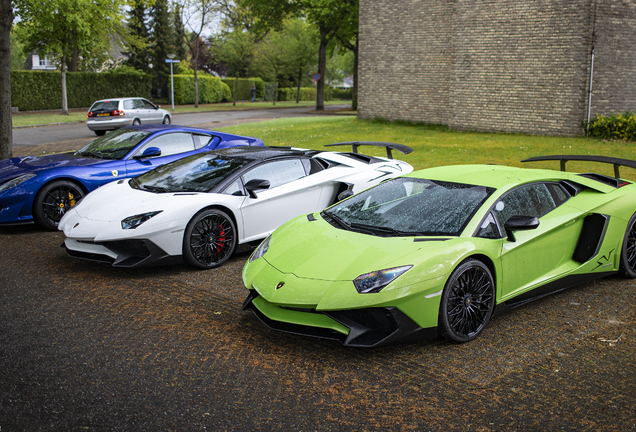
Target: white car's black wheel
point(166, 120)
point(136, 122)
point(468, 301)
point(628, 252)
point(209, 239)
point(53, 201)
point(100, 132)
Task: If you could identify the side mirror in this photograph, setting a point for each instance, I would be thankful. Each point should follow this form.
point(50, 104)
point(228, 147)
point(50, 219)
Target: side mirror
point(256, 184)
point(149, 152)
point(345, 194)
point(519, 223)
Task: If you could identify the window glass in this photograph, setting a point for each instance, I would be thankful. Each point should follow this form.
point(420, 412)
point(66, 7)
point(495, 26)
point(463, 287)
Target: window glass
point(531, 200)
point(128, 104)
point(138, 104)
point(105, 106)
point(409, 206)
point(488, 228)
point(114, 145)
point(170, 144)
point(147, 104)
point(201, 141)
point(235, 188)
point(278, 172)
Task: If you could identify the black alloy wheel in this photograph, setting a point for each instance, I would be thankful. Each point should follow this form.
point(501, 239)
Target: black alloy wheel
point(468, 301)
point(210, 239)
point(166, 120)
point(628, 251)
point(53, 201)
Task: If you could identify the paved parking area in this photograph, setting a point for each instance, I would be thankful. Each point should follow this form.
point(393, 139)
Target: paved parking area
point(87, 347)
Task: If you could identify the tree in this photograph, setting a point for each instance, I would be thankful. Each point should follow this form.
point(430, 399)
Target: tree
point(236, 50)
point(302, 38)
point(138, 54)
point(197, 15)
point(161, 40)
point(63, 27)
point(328, 16)
point(6, 123)
point(18, 58)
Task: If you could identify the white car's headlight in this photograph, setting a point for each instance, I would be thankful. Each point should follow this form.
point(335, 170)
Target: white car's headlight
point(16, 181)
point(374, 282)
point(133, 222)
point(261, 249)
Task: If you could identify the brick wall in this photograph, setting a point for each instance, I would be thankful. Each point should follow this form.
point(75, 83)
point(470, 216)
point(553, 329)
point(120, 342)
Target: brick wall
point(496, 65)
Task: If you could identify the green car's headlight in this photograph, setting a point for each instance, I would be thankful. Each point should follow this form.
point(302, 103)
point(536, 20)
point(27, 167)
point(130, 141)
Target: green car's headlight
point(261, 249)
point(374, 282)
point(133, 222)
point(16, 181)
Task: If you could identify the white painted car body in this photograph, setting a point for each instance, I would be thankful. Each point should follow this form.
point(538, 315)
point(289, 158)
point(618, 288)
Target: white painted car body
point(93, 228)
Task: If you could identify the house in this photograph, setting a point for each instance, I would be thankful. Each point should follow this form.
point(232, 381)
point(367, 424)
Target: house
point(36, 62)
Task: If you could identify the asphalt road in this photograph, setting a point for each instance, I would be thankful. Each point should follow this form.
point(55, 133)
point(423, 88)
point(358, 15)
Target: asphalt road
point(88, 347)
point(76, 132)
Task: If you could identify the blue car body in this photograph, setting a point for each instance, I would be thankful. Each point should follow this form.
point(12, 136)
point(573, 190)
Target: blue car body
point(21, 178)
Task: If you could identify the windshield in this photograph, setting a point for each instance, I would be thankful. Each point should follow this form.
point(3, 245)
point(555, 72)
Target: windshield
point(409, 206)
point(196, 173)
point(113, 145)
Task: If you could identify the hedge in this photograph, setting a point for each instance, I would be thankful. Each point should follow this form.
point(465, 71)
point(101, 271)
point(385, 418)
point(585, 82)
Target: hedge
point(211, 89)
point(38, 90)
point(621, 126)
point(289, 94)
point(244, 88)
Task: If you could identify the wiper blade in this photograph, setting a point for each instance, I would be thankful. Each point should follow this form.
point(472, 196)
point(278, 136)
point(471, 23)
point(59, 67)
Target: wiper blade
point(338, 220)
point(154, 188)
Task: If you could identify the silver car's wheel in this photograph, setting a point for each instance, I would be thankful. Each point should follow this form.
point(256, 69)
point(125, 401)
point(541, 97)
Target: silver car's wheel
point(628, 251)
point(209, 239)
point(468, 301)
point(100, 132)
point(166, 120)
point(136, 122)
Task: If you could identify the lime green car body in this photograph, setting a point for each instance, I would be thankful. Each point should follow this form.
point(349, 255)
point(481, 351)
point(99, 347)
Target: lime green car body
point(304, 282)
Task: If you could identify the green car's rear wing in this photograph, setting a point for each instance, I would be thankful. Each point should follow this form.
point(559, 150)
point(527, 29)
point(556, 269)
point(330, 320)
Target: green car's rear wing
point(617, 162)
point(389, 146)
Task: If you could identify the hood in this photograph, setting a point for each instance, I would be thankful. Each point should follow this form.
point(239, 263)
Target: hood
point(16, 166)
point(317, 250)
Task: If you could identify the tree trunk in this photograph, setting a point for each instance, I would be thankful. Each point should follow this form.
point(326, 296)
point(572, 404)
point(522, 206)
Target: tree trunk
point(196, 77)
point(64, 99)
point(275, 91)
point(71, 63)
point(6, 123)
point(322, 67)
point(235, 89)
point(300, 77)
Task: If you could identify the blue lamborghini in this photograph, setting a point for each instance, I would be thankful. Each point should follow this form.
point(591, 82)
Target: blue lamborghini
point(41, 189)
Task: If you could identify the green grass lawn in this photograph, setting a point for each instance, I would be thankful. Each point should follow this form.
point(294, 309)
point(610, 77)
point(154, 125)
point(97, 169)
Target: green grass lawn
point(434, 146)
point(27, 119)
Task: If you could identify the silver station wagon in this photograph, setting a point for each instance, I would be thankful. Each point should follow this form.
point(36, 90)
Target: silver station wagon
point(111, 114)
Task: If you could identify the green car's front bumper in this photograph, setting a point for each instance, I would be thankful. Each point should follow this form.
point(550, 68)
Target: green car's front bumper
point(369, 327)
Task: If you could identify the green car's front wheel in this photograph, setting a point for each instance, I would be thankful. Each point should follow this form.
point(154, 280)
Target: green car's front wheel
point(628, 252)
point(468, 301)
point(209, 239)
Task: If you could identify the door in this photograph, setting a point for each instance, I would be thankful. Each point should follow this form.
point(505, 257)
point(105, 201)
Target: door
point(152, 112)
point(291, 193)
point(539, 254)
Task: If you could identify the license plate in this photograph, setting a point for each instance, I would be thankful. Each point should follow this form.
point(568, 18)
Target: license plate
point(103, 115)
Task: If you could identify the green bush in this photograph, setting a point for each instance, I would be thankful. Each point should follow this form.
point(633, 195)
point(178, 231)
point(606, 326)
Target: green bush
point(289, 94)
point(36, 90)
point(620, 126)
point(341, 94)
point(244, 88)
point(211, 89)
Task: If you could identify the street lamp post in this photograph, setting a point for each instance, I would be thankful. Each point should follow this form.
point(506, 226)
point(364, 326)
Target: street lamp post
point(170, 60)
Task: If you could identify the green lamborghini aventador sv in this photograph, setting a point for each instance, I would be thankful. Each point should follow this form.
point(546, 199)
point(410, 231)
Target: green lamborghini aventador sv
point(435, 252)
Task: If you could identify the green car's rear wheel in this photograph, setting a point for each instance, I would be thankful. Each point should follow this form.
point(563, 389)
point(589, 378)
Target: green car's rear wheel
point(209, 239)
point(468, 301)
point(628, 252)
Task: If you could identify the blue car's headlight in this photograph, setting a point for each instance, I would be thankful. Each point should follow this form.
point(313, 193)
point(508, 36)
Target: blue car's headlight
point(261, 249)
point(16, 181)
point(374, 282)
point(133, 222)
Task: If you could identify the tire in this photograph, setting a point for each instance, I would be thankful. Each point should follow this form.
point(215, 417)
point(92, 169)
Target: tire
point(100, 133)
point(209, 239)
point(53, 201)
point(468, 301)
point(136, 122)
point(166, 120)
point(628, 251)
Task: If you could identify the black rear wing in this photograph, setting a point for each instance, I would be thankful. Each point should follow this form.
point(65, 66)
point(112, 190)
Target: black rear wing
point(388, 146)
point(617, 162)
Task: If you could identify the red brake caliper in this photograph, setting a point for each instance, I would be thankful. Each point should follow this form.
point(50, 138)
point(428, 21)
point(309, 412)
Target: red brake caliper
point(221, 242)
